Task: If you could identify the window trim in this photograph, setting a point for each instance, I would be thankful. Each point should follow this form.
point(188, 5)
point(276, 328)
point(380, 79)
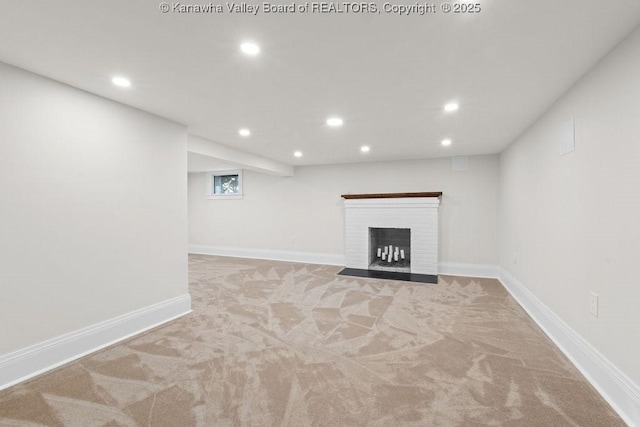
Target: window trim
point(211, 176)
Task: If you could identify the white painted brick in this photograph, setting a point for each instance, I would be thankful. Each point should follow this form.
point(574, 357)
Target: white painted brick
point(418, 214)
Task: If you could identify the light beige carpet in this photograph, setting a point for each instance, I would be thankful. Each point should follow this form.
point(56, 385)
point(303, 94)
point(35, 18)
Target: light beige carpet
point(283, 344)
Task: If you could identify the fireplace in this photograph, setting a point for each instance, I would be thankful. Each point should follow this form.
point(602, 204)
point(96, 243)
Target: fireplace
point(392, 236)
point(390, 249)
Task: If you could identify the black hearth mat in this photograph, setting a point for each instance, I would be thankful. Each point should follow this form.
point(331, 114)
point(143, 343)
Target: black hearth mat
point(389, 275)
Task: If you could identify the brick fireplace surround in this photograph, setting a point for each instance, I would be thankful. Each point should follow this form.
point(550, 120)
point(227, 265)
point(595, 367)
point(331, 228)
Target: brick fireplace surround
point(415, 211)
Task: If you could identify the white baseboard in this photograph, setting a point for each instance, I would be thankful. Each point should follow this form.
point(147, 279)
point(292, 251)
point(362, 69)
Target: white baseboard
point(468, 270)
point(34, 360)
point(275, 255)
point(614, 386)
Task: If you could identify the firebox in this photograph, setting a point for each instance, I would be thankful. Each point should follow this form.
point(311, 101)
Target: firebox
point(390, 249)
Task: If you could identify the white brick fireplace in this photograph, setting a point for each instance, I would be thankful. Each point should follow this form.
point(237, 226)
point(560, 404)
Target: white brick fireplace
point(393, 211)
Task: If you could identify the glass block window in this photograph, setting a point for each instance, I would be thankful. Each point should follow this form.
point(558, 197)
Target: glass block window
point(224, 185)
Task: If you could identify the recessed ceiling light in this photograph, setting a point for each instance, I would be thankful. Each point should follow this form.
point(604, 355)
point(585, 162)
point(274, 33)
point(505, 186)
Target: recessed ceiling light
point(365, 148)
point(121, 81)
point(452, 106)
point(446, 142)
point(250, 48)
point(298, 154)
point(335, 121)
point(244, 132)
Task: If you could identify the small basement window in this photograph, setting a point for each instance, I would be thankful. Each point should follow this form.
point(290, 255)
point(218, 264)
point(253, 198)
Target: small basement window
point(224, 184)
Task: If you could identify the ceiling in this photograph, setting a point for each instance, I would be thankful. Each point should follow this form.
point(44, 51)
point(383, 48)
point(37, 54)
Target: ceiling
point(201, 163)
point(387, 76)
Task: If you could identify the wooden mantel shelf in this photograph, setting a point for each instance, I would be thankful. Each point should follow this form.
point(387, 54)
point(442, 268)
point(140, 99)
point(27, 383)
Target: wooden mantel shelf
point(391, 195)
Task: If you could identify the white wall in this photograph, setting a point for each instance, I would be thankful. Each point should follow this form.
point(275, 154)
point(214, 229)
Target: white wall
point(93, 219)
point(223, 153)
point(572, 222)
point(305, 212)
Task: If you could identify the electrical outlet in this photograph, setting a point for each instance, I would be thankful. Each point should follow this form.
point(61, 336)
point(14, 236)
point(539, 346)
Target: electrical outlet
point(593, 303)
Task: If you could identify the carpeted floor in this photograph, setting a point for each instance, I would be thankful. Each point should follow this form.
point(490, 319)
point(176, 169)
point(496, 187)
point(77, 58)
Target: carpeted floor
point(284, 344)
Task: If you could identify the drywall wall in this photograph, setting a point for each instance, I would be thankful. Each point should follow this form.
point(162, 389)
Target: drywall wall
point(305, 212)
point(222, 153)
point(570, 224)
point(93, 218)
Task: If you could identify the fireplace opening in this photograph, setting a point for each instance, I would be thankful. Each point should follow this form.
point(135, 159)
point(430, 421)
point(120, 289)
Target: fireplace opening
point(390, 249)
